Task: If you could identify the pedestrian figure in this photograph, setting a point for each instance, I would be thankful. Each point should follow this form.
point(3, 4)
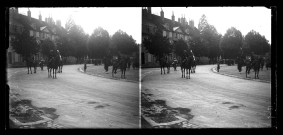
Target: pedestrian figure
point(85, 65)
point(106, 64)
point(218, 65)
point(175, 61)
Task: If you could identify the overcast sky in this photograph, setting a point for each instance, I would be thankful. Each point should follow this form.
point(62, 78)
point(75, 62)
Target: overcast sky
point(244, 19)
point(110, 19)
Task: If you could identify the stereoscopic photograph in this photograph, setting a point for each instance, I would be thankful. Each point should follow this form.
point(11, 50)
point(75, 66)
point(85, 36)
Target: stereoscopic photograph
point(74, 67)
point(140, 67)
point(206, 67)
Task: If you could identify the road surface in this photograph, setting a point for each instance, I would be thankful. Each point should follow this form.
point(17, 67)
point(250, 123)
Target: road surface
point(215, 100)
point(80, 100)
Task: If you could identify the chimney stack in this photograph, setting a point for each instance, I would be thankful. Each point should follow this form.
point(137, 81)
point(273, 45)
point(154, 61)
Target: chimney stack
point(40, 17)
point(162, 14)
point(29, 14)
point(173, 17)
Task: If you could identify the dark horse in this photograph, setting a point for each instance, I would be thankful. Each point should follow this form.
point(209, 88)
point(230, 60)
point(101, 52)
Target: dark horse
point(186, 65)
point(256, 66)
point(115, 66)
point(164, 63)
point(249, 65)
point(53, 64)
point(30, 62)
point(261, 59)
point(123, 66)
point(240, 64)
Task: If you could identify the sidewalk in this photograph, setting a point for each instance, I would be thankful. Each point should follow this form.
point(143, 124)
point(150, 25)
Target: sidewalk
point(132, 75)
point(232, 71)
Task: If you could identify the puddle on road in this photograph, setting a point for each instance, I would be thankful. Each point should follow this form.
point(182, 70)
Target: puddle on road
point(93, 102)
point(101, 106)
point(227, 103)
point(159, 112)
point(233, 107)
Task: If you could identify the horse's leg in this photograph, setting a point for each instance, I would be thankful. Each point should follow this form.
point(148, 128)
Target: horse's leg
point(187, 73)
point(190, 74)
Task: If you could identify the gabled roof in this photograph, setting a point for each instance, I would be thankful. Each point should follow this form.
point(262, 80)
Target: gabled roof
point(40, 25)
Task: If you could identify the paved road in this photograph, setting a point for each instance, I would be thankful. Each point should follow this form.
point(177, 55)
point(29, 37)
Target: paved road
point(81, 100)
point(216, 100)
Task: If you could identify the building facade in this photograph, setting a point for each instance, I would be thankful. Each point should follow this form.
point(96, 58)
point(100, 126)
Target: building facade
point(173, 30)
point(37, 28)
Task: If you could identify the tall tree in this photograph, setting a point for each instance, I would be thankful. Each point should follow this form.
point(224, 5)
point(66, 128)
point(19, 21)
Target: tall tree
point(257, 43)
point(46, 46)
point(63, 46)
point(231, 43)
point(77, 40)
point(98, 43)
point(123, 42)
point(210, 38)
point(195, 43)
point(157, 45)
point(24, 44)
point(180, 46)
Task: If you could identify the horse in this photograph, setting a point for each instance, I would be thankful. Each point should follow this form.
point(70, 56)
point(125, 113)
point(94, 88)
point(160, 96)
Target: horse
point(48, 65)
point(256, 67)
point(248, 63)
point(261, 59)
point(60, 66)
point(115, 66)
point(240, 64)
point(123, 64)
point(128, 62)
point(163, 64)
point(168, 65)
point(30, 62)
point(186, 65)
point(53, 64)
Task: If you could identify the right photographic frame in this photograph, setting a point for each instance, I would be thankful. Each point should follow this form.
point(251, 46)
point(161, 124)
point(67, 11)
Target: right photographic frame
point(206, 67)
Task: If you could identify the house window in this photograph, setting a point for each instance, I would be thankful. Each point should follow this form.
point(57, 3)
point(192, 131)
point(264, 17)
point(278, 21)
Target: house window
point(31, 33)
point(170, 34)
point(164, 33)
point(37, 34)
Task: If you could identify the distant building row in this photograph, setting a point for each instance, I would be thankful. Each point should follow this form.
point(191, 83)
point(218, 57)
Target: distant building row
point(170, 28)
point(38, 28)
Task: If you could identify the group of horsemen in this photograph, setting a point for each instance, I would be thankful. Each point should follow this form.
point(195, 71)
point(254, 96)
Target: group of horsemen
point(251, 62)
point(54, 62)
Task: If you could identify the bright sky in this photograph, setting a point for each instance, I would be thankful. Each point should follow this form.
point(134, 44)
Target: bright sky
point(110, 19)
point(244, 19)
